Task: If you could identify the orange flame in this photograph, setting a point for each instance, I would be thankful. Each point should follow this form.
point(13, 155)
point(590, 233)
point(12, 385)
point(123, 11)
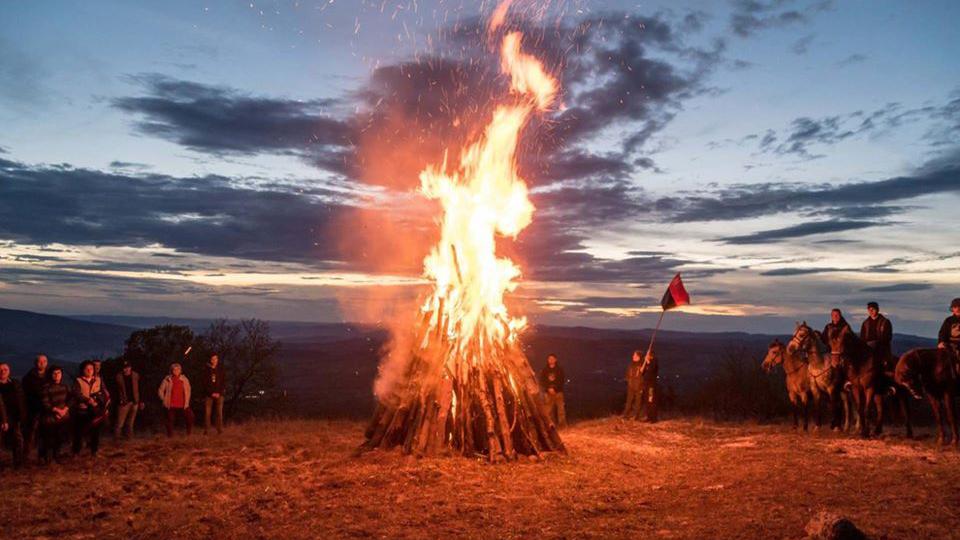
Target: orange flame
point(484, 197)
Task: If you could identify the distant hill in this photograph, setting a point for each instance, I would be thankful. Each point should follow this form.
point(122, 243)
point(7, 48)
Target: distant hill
point(329, 368)
point(23, 334)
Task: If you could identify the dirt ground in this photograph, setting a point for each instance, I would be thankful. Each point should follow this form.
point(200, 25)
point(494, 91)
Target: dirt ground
point(675, 479)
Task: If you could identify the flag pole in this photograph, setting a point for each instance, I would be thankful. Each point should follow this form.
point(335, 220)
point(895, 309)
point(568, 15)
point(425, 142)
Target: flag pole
point(653, 336)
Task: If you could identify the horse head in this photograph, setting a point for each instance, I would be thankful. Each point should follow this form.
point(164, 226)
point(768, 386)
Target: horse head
point(774, 356)
point(801, 337)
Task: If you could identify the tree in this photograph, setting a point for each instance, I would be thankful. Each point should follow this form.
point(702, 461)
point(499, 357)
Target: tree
point(249, 356)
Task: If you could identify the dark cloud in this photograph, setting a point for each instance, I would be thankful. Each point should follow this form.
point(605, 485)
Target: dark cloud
point(221, 120)
point(899, 287)
point(797, 231)
point(802, 45)
point(765, 199)
point(852, 59)
point(751, 16)
point(208, 215)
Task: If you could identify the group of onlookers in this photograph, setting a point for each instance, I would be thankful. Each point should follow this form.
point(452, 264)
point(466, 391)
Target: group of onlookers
point(43, 410)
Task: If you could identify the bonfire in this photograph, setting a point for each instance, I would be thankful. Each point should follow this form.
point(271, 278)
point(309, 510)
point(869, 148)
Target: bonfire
point(466, 384)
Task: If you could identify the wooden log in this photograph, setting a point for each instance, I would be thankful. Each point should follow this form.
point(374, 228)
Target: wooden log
point(495, 451)
point(506, 434)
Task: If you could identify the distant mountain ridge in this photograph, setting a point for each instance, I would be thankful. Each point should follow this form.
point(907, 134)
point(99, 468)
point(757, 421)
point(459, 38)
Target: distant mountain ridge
point(24, 334)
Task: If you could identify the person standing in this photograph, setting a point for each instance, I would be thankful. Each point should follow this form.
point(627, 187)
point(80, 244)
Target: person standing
point(174, 392)
point(634, 387)
point(214, 388)
point(11, 394)
point(55, 423)
point(552, 380)
point(128, 401)
point(649, 396)
point(877, 332)
point(91, 400)
point(33, 383)
point(949, 335)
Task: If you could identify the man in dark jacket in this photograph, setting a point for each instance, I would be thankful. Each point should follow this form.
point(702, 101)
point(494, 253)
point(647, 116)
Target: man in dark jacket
point(552, 380)
point(634, 386)
point(832, 331)
point(214, 387)
point(55, 422)
point(16, 412)
point(33, 383)
point(949, 335)
point(128, 401)
point(877, 332)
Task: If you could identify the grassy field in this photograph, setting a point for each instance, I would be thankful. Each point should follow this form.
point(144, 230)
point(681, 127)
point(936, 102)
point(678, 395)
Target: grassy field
point(676, 479)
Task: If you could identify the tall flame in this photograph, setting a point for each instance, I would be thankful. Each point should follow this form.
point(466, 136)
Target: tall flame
point(484, 197)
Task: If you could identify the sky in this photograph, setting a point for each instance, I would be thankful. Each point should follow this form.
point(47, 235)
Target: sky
point(260, 159)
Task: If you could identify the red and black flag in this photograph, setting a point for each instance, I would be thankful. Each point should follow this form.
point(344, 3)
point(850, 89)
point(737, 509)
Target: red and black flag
point(676, 295)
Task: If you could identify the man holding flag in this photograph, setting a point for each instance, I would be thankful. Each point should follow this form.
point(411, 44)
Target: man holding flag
point(675, 296)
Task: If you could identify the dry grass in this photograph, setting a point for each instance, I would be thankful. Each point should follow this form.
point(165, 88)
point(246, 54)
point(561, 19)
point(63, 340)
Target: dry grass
point(676, 479)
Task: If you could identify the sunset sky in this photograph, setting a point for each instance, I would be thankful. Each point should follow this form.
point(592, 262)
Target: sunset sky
point(260, 159)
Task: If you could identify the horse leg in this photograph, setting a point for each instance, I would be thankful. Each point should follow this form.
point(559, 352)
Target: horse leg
point(935, 405)
point(878, 400)
point(816, 407)
point(794, 407)
point(847, 409)
point(951, 416)
point(861, 399)
point(805, 400)
point(904, 398)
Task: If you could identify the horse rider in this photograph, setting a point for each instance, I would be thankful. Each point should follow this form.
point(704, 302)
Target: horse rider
point(831, 332)
point(877, 332)
point(949, 336)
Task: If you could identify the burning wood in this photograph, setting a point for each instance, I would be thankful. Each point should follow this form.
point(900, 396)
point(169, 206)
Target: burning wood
point(467, 385)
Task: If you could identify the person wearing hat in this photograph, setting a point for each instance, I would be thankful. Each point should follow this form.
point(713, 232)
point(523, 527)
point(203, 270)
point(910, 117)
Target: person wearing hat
point(949, 335)
point(128, 390)
point(877, 332)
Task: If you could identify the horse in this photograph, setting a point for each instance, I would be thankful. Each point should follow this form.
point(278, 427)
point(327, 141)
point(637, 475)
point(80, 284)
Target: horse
point(797, 370)
point(825, 377)
point(930, 372)
point(864, 373)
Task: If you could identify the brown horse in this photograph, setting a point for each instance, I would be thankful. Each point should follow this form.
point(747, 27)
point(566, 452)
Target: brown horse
point(865, 376)
point(826, 379)
point(797, 377)
point(930, 372)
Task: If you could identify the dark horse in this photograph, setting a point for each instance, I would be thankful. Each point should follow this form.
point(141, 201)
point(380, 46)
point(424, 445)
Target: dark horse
point(930, 372)
point(867, 380)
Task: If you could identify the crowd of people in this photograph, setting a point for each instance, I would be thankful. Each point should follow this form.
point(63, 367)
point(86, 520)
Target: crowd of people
point(43, 412)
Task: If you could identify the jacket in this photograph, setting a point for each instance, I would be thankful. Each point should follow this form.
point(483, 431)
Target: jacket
point(651, 370)
point(83, 389)
point(14, 403)
point(167, 386)
point(3, 413)
point(33, 384)
point(122, 388)
point(878, 333)
point(552, 378)
point(213, 380)
point(55, 396)
point(950, 331)
point(831, 331)
point(635, 374)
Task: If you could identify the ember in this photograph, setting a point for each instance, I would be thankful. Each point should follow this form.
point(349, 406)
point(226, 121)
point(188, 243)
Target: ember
point(468, 385)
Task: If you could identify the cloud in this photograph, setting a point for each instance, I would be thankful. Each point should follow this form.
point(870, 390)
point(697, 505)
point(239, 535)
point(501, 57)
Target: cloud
point(220, 120)
point(802, 45)
point(751, 16)
point(797, 231)
point(852, 59)
point(754, 200)
point(899, 287)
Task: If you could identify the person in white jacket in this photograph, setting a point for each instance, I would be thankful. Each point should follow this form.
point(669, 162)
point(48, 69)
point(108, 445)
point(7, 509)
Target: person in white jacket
point(175, 393)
